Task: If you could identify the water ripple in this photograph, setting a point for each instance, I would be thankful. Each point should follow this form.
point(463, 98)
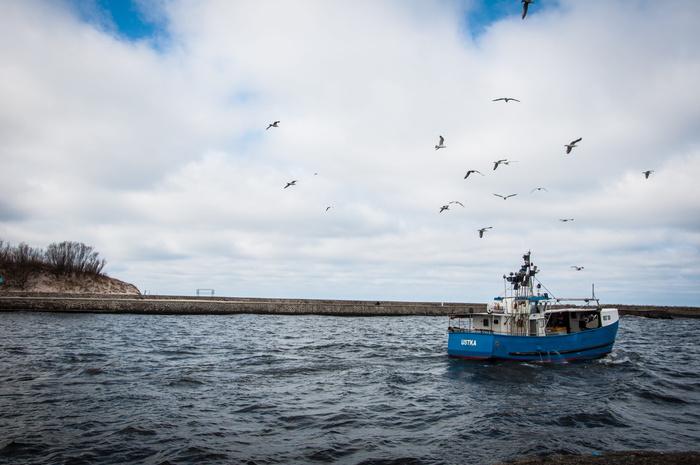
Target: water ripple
point(165, 389)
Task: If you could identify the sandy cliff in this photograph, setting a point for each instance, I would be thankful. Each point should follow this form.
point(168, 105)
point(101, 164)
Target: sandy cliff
point(50, 283)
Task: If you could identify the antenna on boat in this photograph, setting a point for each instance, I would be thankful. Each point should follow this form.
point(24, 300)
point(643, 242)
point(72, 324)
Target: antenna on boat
point(593, 291)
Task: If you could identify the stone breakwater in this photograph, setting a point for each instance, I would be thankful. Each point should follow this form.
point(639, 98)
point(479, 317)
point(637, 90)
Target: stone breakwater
point(149, 304)
point(222, 305)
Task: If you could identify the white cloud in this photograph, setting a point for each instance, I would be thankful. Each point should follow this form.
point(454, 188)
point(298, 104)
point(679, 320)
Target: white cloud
point(160, 157)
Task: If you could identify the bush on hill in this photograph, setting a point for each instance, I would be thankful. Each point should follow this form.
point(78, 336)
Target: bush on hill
point(19, 263)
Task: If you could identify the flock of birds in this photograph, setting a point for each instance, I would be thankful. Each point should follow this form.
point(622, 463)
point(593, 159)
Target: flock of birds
point(441, 145)
point(569, 147)
point(505, 161)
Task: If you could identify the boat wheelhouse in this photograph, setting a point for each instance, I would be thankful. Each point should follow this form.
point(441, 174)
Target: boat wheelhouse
point(528, 324)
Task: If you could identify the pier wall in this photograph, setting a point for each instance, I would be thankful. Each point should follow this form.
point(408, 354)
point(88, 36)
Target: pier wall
point(149, 304)
point(223, 305)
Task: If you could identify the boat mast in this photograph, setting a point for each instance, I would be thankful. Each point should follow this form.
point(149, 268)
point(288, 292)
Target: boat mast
point(522, 282)
point(519, 289)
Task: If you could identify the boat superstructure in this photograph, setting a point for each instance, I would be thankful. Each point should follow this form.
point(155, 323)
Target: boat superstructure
point(528, 324)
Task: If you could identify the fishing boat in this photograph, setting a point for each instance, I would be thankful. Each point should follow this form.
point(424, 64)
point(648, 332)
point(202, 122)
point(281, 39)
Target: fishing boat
point(527, 324)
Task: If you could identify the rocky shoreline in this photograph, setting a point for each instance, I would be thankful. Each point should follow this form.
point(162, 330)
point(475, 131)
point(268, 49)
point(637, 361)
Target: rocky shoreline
point(188, 305)
point(634, 457)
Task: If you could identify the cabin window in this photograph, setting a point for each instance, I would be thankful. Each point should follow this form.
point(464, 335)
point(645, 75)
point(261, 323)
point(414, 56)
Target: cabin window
point(486, 321)
point(495, 321)
point(557, 320)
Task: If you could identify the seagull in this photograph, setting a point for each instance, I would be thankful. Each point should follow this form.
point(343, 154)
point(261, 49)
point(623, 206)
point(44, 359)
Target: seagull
point(647, 173)
point(572, 145)
point(273, 125)
point(506, 99)
point(538, 189)
point(444, 207)
point(291, 183)
point(564, 220)
point(458, 203)
point(499, 162)
point(505, 197)
point(578, 268)
point(471, 172)
point(441, 144)
point(328, 208)
point(483, 230)
point(525, 4)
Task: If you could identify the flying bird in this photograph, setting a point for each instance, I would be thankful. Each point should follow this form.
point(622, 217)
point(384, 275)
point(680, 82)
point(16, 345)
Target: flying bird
point(538, 189)
point(483, 230)
point(572, 145)
point(501, 162)
point(444, 207)
point(525, 4)
point(577, 268)
point(505, 197)
point(506, 99)
point(441, 144)
point(273, 125)
point(564, 220)
point(471, 172)
point(647, 173)
point(328, 208)
point(458, 203)
point(291, 183)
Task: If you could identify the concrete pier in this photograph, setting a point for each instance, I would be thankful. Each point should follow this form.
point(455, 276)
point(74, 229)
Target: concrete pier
point(187, 305)
point(91, 303)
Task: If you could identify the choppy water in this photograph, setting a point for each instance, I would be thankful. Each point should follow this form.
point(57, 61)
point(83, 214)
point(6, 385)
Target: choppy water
point(152, 389)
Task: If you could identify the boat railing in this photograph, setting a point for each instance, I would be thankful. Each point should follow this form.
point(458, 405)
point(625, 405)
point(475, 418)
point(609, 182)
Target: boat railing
point(588, 301)
point(457, 329)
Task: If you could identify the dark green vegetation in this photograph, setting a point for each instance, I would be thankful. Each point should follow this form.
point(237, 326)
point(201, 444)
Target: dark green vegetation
point(18, 264)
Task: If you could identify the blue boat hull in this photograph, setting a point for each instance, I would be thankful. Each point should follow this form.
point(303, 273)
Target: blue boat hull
point(593, 343)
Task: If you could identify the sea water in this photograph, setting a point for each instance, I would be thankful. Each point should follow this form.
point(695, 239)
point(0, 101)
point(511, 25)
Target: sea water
point(273, 389)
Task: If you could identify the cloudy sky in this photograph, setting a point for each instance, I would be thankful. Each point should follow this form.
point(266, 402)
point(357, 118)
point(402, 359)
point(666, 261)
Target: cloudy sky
point(140, 127)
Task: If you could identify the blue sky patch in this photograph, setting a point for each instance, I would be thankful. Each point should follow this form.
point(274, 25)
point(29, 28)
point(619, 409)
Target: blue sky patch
point(127, 19)
point(484, 14)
